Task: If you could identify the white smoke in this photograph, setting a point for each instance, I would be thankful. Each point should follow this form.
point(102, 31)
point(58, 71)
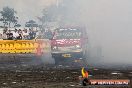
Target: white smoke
point(109, 28)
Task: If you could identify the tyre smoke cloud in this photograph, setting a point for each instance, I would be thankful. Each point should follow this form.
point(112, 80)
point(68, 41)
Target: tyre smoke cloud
point(109, 27)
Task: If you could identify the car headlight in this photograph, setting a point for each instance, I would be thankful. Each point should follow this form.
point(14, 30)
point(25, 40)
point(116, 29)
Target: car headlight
point(55, 47)
point(78, 46)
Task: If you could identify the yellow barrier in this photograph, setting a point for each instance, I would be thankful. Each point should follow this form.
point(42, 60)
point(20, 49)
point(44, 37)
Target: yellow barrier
point(24, 46)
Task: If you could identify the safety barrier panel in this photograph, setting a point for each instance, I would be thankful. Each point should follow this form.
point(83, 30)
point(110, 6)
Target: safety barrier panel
point(24, 46)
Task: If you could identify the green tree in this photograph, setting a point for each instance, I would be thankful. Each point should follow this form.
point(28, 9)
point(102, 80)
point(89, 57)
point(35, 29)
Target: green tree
point(17, 25)
point(31, 24)
point(8, 16)
point(49, 14)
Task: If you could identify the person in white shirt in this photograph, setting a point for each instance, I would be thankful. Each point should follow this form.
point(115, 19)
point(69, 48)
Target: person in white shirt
point(25, 34)
point(15, 34)
point(4, 35)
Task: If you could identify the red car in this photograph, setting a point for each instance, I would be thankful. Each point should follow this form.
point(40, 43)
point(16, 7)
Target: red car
point(69, 44)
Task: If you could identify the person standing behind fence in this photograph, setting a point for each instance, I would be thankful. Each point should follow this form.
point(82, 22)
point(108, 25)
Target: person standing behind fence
point(20, 37)
point(4, 35)
point(15, 34)
point(32, 34)
point(25, 34)
point(9, 35)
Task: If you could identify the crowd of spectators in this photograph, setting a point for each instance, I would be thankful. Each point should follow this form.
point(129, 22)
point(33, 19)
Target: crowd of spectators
point(18, 34)
point(25, 34)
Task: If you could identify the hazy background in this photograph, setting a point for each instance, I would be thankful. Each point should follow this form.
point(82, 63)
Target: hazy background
point(27, 9)
point(108, 22)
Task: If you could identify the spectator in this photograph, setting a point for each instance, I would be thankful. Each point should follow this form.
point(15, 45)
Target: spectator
point(4, 36)
point(19, 37)
point(10, 35)
point(38, 34)
point(15, 34)
point(19, 31)
point(32, 34)
point(25, 34)
point(20, 34)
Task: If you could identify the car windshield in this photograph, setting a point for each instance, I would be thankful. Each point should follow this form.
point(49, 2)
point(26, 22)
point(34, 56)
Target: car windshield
point(67, 34)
